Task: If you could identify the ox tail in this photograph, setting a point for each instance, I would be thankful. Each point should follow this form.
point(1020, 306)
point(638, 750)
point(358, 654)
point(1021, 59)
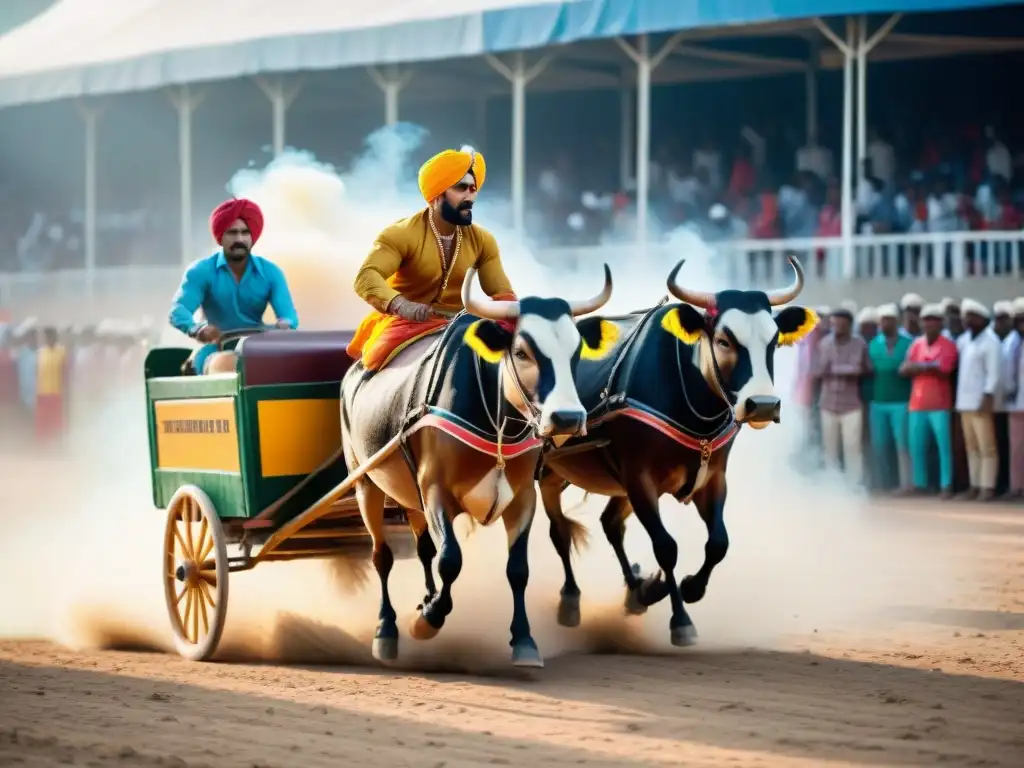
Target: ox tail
point(573, 530)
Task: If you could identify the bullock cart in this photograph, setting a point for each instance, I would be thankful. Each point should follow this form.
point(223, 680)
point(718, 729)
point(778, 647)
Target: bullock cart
point(248, 468)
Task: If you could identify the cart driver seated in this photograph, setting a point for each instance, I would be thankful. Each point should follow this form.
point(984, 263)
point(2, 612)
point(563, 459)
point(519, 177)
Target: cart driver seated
point(233, 288)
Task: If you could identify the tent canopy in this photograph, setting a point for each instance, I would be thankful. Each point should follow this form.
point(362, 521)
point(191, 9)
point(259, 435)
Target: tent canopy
point(75, 49)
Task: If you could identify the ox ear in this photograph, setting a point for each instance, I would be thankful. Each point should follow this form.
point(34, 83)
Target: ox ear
point(794, 323)
point(488, 339)
point(685, 323)
point(599, 337)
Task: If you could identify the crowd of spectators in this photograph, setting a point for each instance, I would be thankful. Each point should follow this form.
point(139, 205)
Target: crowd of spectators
point(917, 398)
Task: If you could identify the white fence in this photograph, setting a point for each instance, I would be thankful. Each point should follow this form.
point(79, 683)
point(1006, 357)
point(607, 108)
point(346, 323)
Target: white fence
point(870, 269)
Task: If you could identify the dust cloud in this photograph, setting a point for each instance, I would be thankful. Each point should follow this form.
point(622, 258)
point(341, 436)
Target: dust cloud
point(81, 547)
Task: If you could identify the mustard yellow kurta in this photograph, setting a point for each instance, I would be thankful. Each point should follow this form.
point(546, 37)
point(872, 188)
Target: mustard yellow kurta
point(405, 261)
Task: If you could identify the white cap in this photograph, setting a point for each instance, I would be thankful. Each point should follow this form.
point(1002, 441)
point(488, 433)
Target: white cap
point(867, 315)
point(889, 310)
point(975, 308)
point(912, 301)
point(933, 310)
point(948, 304)
point(1002, 308)
point(1018, 305)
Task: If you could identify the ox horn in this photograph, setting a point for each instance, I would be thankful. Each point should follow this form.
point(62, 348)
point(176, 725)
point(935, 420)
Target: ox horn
point(696, 298)
point(592, 305)
point(788, 294)
point(486, 307)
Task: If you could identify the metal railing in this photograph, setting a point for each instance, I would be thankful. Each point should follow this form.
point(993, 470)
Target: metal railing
point(833, 266)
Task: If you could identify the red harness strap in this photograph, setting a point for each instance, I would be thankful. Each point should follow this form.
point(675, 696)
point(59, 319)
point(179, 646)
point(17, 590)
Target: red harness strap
point(703, 445)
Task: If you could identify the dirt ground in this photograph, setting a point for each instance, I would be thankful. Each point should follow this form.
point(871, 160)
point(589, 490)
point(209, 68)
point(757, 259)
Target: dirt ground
point(939, 685)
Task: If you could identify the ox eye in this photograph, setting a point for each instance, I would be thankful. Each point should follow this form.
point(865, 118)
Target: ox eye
point(723, 342)
point(521, 354)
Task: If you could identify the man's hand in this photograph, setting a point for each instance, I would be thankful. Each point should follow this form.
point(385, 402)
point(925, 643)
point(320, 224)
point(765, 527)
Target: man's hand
point(284, 325)
point(208, 334)
point(988, 403)
point(412, 311)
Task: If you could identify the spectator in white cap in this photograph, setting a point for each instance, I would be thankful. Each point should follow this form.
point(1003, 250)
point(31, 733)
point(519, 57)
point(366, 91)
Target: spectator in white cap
point(930, 364)
point(889, 396)
point(867, 323)
point(1013, 350)
point(842, 363)
point(977, 394)
point(954, 323)
point(911, 305)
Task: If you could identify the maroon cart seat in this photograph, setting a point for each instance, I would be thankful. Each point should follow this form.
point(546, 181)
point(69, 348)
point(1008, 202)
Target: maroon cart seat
point(295, 357)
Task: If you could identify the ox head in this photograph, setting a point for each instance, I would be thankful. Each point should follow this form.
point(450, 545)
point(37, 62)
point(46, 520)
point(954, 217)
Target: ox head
point(538, 345)
point(742, 334)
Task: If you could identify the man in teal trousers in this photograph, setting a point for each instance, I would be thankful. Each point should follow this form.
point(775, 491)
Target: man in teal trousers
point(890, 395)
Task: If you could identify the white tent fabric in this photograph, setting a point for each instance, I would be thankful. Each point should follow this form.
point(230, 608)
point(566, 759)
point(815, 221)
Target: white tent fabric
point(79, 47)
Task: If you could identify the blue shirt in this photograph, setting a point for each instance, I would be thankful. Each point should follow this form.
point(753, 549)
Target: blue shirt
point(230, 304)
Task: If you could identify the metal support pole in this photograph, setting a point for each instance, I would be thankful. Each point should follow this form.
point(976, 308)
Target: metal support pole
point(185, 101)
point(865, 45)
point(281, 97)
point(645, 65)
point(848, 49)
point(519, 75)
point(392, 83)
point(91, 115)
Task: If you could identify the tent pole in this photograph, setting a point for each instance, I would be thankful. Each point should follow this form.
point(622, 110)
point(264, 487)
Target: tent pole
point(645, 65)
point(391, 84)
point(519, 75)
point(849, 266)
point(91, 115)
point(281, 97)
point(185, 101)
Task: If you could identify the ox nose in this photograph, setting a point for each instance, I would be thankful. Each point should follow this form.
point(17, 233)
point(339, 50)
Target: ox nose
point(567, 422)
point(763, 409)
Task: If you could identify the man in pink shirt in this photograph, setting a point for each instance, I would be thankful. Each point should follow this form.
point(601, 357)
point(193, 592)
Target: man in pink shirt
point(930, 362)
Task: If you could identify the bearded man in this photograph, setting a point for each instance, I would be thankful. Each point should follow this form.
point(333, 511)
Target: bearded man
point(233, 287)
point(413, 276)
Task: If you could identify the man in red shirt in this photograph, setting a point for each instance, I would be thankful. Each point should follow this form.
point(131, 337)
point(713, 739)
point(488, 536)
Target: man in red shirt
point(930, 362)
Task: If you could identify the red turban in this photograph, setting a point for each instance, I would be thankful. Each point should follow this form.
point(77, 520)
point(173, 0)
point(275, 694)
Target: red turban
point(225, 214)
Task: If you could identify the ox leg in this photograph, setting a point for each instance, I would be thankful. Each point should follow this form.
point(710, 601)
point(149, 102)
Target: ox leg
point(371, 507)
point(517, 528)
point(564, 532)
point(710, 503)
point(641, 593)
point(449, 564)
point(644, 499)
point(426, 551)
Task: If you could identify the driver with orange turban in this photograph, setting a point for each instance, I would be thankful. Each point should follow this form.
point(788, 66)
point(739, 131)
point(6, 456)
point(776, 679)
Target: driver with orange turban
point(233, 287)
point(413, 276)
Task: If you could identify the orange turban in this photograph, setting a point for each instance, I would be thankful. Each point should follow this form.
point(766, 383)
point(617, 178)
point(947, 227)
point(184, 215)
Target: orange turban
point(225, 214)
point(446, 169)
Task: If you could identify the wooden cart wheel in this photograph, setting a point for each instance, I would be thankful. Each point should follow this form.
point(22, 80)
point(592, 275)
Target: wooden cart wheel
point(195, 573)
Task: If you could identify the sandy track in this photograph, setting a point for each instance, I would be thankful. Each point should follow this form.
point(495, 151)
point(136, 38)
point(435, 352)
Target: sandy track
point(940, 684)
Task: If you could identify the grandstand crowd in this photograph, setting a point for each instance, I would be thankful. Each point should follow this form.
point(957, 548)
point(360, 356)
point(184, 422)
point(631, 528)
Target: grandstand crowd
point(907, 398)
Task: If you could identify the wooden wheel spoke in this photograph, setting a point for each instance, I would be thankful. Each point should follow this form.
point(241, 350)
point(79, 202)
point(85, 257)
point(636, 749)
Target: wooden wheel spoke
point(209, 575)
point(186, 550)
point(205, 551)
point(186, 513)
point(201, 541)
point(185, 623)
point(205, 589)
point(195, 614)
point(184, 591)
point(201, 599)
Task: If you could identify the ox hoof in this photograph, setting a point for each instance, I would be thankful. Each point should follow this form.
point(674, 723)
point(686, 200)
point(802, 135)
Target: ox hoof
point(632, 603)
point(385, 648)
point(421, 629)
point(684, 636)
point(525, 654)
point(692, 590)
point(569, 611)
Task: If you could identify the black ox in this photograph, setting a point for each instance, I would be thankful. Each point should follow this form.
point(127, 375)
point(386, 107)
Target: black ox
point(665, 404)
